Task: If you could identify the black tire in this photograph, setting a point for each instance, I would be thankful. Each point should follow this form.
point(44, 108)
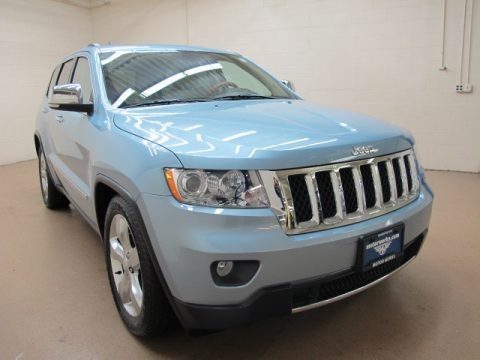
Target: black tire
point(154, 315)
point(51, 196)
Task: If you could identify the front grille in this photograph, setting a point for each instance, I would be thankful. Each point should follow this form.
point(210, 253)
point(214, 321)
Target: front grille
point(368, 186)
point(409, 172)
point(331, 287)
point(385, 182)
point(349, 191)
point(325, 189)
point(398, 175)
point(333, 195)
point(301, 199)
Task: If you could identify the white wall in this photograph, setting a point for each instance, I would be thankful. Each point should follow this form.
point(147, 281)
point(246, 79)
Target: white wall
point(34, 36)
point(380, 57)
point(142, 21)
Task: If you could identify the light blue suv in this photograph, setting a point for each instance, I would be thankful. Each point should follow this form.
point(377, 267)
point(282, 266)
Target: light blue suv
point(221, 196)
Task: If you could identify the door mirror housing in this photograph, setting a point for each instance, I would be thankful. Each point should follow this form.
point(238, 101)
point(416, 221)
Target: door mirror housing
point(69, 97)
point(289, 84)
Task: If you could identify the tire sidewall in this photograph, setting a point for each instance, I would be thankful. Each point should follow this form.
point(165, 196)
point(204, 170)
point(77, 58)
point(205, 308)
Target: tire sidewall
point(40, 154)
point(139, 325)
point(55, 199)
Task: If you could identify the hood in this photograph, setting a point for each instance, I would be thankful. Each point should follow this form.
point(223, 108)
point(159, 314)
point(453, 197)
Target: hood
point(260, 134)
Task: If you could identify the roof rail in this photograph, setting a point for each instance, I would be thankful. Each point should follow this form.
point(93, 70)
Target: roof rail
point(93, 44)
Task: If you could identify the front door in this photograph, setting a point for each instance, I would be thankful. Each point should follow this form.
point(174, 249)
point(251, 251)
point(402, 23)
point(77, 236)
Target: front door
point(70, 131)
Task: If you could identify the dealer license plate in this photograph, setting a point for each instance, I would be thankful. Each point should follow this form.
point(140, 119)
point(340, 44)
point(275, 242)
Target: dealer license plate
point(381, 247)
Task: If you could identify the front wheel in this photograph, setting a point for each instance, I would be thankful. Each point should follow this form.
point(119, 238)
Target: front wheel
point(136, 290)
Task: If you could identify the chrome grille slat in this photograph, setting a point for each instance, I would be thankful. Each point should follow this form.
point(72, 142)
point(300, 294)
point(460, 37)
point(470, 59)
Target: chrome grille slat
point(409, 172)
point(378, 187)
point(391, 181)
point(335, 192)
point(289, 208)
point(339, 197)
point(403, 175)
point(314, 197)
point(357, 178)
point(413, 169)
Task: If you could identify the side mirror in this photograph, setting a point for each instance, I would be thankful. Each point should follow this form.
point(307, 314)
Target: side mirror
point(289, 84)
point(69, 97)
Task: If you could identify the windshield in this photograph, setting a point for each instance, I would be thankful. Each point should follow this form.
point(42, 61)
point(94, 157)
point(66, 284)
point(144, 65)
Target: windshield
point(149, 78)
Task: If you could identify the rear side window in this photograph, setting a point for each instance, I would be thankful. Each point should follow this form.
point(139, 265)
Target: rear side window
point(53, 80)
point(65, 74)
point(81, 76)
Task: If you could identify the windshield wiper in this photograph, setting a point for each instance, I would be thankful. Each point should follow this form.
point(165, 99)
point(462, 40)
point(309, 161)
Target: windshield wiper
point(243, 97)
point(164, 102)
point(180, 101)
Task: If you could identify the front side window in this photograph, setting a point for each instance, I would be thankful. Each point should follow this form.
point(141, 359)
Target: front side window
point(81, 75)
point(65, 73)
point(143, 78)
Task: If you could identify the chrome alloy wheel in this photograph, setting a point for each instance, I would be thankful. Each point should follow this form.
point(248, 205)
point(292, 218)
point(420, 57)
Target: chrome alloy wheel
point(43, 176)
point(125, 265)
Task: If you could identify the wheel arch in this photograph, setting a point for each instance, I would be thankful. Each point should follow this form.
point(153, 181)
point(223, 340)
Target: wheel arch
point(105, 190)
point(37, 142)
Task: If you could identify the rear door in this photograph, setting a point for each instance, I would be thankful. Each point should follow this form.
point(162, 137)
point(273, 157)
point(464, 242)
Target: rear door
point(42, 117)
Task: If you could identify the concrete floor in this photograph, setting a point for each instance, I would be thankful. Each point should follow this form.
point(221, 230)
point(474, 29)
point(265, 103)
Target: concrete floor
point(55, 302)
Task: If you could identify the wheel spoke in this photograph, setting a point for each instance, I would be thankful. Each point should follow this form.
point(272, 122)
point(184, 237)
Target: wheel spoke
point(136, 294)
point(118, 226)
point(122, 233)
point(124, 289)
point(116, 250)
point(125, 265)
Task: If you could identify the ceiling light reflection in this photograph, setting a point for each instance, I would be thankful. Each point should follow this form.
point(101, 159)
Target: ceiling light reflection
point(277, 145)
point(193, 127)
point(121, 99)
point(112, 57)
point(345, 125)
point(284, 143)
point(239, 135)
point(313, 144)
point(174, 78)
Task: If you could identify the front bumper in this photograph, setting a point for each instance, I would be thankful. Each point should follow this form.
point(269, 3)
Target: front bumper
point(293, 297)
point(187, 239)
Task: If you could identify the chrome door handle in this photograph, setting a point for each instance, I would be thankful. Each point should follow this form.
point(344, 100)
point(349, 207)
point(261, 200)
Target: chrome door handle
point(59, 118)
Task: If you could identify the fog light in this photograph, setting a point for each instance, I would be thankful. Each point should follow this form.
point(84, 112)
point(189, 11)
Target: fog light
point(233, 273)
point(224, 268)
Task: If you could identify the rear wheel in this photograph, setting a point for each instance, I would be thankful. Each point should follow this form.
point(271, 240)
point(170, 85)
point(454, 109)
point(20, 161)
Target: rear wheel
point(136, 290)
point(52, 197)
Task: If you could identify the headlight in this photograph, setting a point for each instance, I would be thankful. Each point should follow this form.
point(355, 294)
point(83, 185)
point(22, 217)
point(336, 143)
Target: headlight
point(233, 188)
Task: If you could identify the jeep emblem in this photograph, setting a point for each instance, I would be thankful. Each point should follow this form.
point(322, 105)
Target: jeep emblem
point(364, 150)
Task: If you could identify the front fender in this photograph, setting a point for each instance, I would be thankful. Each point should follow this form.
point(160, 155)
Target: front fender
point(133, 164)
